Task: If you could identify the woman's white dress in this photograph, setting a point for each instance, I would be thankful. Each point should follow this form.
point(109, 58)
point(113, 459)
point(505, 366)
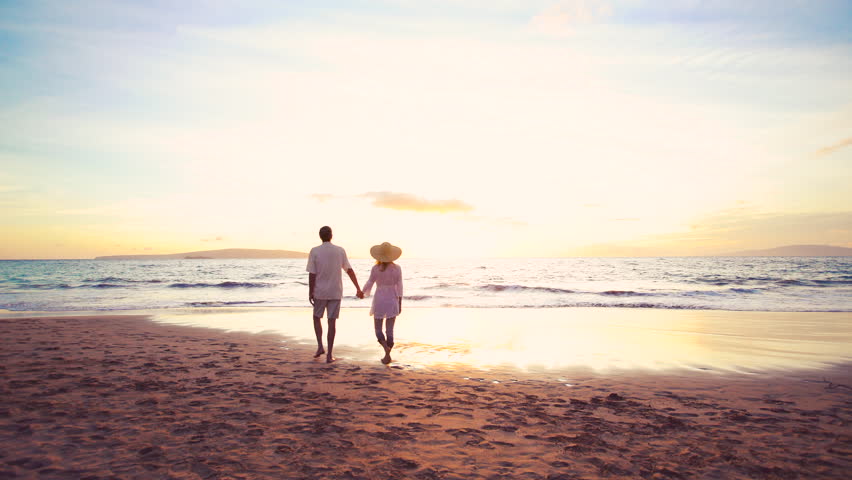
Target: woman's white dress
point(388, 290)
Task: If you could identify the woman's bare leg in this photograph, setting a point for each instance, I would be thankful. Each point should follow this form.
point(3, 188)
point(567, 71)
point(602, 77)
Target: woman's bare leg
point(388, 345)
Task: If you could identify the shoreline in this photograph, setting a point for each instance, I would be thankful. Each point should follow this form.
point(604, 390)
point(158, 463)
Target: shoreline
point(128, 397)
point(547, 339)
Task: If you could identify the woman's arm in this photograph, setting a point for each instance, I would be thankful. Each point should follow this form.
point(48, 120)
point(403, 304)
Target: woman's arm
point(370, 281)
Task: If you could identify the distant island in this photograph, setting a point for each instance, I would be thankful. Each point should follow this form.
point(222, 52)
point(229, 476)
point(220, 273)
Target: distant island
point(228, 253)
point(796, 251)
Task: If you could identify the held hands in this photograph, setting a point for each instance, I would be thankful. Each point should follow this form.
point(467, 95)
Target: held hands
point(359, 294)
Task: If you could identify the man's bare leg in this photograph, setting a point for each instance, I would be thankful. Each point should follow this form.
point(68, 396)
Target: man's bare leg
point(332, 330)
point(318, 331)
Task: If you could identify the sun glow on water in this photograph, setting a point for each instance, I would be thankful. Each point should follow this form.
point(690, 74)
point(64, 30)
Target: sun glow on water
point(600, 339)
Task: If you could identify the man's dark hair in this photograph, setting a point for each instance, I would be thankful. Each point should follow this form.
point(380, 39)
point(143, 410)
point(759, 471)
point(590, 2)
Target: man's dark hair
point(325, 233)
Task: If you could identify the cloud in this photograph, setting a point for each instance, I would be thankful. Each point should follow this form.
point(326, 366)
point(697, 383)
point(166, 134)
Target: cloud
point(833, 148)
point(217, 239)
point(105, 210)
point(500, 221)
point(406, 201)
point(560, 18)
point(322, 197)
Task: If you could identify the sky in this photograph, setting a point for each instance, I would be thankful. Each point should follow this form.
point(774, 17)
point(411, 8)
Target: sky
point(452, 128)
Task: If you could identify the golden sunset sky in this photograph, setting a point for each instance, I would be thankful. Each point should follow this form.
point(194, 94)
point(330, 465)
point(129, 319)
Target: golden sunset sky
point(451, 127)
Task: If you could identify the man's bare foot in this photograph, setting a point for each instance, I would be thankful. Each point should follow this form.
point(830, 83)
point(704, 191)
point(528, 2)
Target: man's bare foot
point(330, 359)
point(387, 358)
point(320, 351)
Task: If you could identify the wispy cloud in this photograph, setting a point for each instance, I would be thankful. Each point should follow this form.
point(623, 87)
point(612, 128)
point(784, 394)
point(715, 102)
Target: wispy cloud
point(322, 197)
point(217, 239)
point(833, 148)
point(560, 19)
point(114, 209)
point(406, 201)
point(501, 221)
point(410, 202)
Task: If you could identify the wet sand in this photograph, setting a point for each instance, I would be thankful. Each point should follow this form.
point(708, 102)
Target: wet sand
point(125, 397)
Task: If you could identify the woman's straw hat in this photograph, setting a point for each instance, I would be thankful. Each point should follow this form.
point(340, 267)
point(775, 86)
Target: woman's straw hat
point(385, 252)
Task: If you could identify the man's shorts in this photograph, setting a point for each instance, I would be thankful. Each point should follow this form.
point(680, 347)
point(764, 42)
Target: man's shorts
point(333, 307)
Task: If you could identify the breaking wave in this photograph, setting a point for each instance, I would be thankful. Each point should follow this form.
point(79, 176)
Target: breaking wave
point(223, 285)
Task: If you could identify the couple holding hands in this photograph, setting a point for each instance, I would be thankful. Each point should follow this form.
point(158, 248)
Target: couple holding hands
point(326, 262)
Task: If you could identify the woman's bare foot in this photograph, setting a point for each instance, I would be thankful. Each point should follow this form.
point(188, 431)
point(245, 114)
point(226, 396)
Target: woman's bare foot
point(387, 359)
point(320, 351)
point(330, 359)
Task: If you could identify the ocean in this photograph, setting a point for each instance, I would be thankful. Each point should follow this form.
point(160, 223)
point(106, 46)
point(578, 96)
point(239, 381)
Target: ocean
point(772, 284)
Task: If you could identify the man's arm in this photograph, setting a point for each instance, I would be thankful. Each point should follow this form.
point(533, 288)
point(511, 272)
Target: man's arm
point(312, 275)
point(354, 279)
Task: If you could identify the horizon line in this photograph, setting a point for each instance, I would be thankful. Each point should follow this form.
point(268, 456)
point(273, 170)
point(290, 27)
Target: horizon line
point(426, 258)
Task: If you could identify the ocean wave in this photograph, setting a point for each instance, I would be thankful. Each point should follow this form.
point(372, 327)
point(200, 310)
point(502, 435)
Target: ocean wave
point(732, 293)
point(664, 306)
point(47, 286)
point(722, 281)
point(222, 304)
point(119, 280)
point(625, 293)
point(420, 298)
point(828, 283)
point(222, 285)
point(447, 285)
point(103, 285)
point(776, 281)
point(652, 305)
point(503, 288)
point(65, 286)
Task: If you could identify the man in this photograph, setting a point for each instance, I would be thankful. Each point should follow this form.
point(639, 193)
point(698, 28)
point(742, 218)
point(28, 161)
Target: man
point(325, 287)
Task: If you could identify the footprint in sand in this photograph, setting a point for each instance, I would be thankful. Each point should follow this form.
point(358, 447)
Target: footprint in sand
point(403, 463)
point(503, 428)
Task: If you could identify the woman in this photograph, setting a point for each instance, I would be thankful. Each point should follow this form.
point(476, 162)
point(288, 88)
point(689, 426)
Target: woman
point(387, 303)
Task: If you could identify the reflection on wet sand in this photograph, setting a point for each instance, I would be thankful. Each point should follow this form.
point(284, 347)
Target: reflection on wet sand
point(601, 339)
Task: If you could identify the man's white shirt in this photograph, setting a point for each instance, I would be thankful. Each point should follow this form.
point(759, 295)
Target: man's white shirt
point(327, 262)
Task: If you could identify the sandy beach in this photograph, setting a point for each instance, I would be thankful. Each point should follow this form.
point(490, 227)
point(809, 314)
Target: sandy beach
point(101, 397)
